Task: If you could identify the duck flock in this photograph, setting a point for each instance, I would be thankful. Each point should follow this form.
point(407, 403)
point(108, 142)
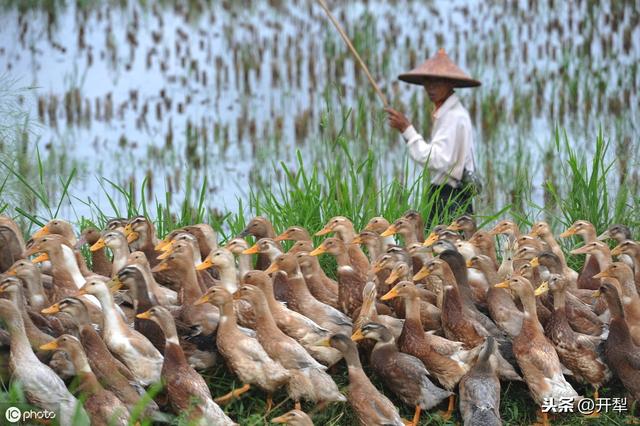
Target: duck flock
point(434, 317)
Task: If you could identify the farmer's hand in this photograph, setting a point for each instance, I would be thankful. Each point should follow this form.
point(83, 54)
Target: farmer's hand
point(397, 120)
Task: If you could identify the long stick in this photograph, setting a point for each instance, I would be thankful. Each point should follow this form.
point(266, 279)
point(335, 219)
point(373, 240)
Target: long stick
point(353, 50)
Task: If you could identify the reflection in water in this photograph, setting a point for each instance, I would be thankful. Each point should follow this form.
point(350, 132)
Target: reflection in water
point(224, 90)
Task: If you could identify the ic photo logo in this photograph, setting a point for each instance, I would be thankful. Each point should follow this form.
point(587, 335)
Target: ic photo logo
point(26, 414)
point(13, 414)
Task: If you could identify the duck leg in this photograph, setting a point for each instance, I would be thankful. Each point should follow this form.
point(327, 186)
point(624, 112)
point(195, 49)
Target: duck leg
point(297, 405)
point(544, 417)
point(231, 395)
point(269, 403)
point(452, 404)
point(416, 416)
point(596, 395)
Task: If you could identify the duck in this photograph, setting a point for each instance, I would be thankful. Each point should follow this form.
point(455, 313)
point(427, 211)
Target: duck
point(100, 263)
point(133, 279)
point(370, 406)
point(185, 250)
point(378, 225)
point(260, 227)
point(117, 243)
point(542, 230)
point(111, 372)
point(368, 312)
point(371, 241)
point(237, 246)
point(102, 406)
point(406, 228)
point(181, 382)
point(587, 231)
point(578, 352)
point(465, 223)
point(447, 361)
point(165, 296)
point(57, 227)
point(345, 231)
point(501, 307)
point(116, 224)
point(617, 231)
point(464, 325)
point(204, 316)
point(206, 237)
point(534, 353)
point(313, 276)
point(508, 228)
point(244, 355)
point(267, 250)
point(350, 281)
point(629, 297)
point(435, 234)
point(41, 385)
point(628, 251)
point(300, 298)
point(620, 351)
point(294, 233)
point(31, 278)
point(134, 350)
point(480, 390)
point(485, 246)
point(141, 236)
point(309, 380)
point(294, 418)
point(404, 374)
point(295, 325)
point(12, 244)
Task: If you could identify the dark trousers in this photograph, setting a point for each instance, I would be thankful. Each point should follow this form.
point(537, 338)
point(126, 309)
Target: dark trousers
point(450, 203)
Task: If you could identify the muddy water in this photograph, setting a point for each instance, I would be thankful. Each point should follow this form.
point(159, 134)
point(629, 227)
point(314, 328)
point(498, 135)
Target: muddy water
point(140, 92)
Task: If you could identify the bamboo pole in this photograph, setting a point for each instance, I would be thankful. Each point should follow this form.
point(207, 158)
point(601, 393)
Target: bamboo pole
point(344, 36)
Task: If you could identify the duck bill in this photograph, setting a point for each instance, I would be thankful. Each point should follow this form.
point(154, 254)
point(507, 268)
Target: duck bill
point(251, 250)
point(273, 268)
point(43, 257)
point(282, 237)
point(469, 263)
point(202, 300)
point(617, 251)
point(324, 231)
point(11, 272)
point(98, 245)
point(393, 277)
point(422, 273)
point(596, 294)
point(602, 274)
point(53, 309)
point(533, 233)
point(30, 251)
point(81, 292)
point(144, 315)
point(580, 250)
point(535, 262)
point(357, 336)
point(132, 236)
point(542, 289)
point(161, 267)
point(204, 265)
point(432, 238)
point(162, 245)
point(51, 346)
point(318, 251)
point(391, 230)
point(604, 236)
point(357, 240)
point(41, 232)
point(503, 284)
point(115, 284)
point(568, 233)
point(376, 268)
point(283, 419)
point(165, 254)
point(391, 294)
point(323, 342)
point(454, 226)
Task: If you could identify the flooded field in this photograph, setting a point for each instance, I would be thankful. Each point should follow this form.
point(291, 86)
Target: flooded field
point(183, 91)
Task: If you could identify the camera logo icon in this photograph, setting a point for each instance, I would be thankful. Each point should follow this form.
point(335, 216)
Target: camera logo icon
point(13, 414)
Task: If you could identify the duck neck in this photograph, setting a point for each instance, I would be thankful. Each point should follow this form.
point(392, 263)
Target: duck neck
point(120, 255)
point(20, 346)
point(342, 258)
point(372, 249)
point(387, 242)
point(228, 277)
point(265, 323)
point(412, 310)
point(353, 361)
point(68, 259)
point(112, 319)
point(35, 291)
point(603, 260)
point(409, 237)
point(89, 384)
point(530, 312)
point(346, 234)
point(170, 333)
point(490, 274)
point(227, 316)
point(559, 298)
point(244, 264)
point(190, 288)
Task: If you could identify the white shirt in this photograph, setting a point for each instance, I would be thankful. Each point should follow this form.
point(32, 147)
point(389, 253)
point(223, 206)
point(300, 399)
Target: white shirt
point(451, 148)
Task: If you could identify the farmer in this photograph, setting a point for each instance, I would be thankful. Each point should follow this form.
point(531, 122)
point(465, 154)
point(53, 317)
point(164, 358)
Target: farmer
point(449, 154)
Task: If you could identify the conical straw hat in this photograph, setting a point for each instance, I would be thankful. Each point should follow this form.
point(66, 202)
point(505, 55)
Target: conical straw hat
point(439, 66)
